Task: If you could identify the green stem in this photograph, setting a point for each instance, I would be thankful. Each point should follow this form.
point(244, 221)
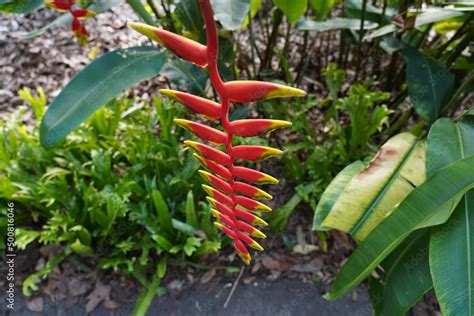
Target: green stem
point(152, 5)
point(140, 10)
point(361, 36)
point(276, 21)
point(459, 91)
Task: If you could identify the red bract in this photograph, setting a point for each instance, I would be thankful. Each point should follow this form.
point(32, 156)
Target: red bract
point(233, 201)
point(78, 28)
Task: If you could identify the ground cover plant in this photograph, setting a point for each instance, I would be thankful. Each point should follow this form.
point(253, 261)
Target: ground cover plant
point(389, 92)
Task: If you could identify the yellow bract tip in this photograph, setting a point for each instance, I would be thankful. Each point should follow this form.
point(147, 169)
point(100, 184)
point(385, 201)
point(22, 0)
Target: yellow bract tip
point(208, 189)
point(263, 195)
point(170, 93)
point(262, 208)
point(216, 213)
point(259, 221)
point(147, 30)
point(206, 175)
point(285, 92)
point(218, 225)
point(182, 122)
point(191, 144)
point(245, 257)
point(256, 245)
point(257, 233)
point(212, 201)
point(200, 158)
point(268, 179)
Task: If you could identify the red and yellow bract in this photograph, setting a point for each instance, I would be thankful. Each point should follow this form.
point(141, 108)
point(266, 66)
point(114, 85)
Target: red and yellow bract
point(234, 202)
point(78, 28)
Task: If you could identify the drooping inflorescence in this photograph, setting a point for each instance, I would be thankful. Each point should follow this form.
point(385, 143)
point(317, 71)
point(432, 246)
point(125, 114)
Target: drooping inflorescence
point(234, 203)
point(78, 28)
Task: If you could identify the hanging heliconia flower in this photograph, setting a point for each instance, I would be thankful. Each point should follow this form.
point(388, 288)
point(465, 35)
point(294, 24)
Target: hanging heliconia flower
point(78, 28)
point(234, 203)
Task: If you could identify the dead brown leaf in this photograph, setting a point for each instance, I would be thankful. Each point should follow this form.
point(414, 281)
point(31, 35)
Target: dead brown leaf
point(270, 263)
point(100, 293)
point(206, 277)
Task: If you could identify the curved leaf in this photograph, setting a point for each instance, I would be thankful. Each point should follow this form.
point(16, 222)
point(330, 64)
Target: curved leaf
point(293, 9)
point(60, 20)
point(447, 142)
point(189, 14)
point(429, 83)
point(96, 84)
point(408, 275)
point(231, 13)
point(451, 260)
point(322, 7)
point(375, 191)
point(435, 14)
point(333, 191)
point(334, 24)
point(417, 208)
point(452, 244)
point(20, 6)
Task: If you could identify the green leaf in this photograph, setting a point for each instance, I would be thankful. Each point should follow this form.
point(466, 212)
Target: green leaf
point(191, 244)
point(451, 244)
point(148, 293)
point(96, 84)
point(334, 24)
point(20, 6)
point(189, 15)
point(408, 275)
point(333, 191)
point(231, 13)
point(452, 266)
point(186, 76)
point(435, 14)
point(448, 141)
point(164, 215)
point(279, 218)
point(82, 249)
point(322, 7)
point(417, 208)
point(191, 218)
point(183, 227)
point(429, 83)
point(293, 9)
point(371, 13)
point(375, 191)
point(162, 242)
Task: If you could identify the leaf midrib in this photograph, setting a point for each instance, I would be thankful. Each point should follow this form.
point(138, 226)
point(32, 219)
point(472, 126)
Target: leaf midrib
point(432, 89)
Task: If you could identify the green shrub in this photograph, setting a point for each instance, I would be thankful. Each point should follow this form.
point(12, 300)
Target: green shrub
point(120, 188)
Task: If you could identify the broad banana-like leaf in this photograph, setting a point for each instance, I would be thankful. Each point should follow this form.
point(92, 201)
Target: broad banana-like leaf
point(95, 85)
point(448, 141)
point(418, 207)
point(333, 191)
point(429, 82)
point(375, 191)
point(407, 275)
point(452, 244)
point(451, 259)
